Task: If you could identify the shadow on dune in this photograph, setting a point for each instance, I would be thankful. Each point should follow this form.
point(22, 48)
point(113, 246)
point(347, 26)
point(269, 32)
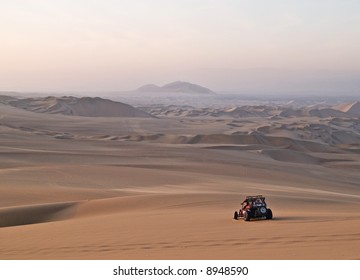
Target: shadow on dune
point(290, 218)
point(282, 218)
point(34, 214)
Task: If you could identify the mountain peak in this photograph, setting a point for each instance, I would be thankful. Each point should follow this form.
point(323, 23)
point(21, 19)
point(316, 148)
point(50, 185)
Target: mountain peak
point(149, 88)
point(177, 86)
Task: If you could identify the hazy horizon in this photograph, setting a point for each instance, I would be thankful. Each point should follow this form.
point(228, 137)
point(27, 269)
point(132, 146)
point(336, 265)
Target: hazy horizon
point(231, 45)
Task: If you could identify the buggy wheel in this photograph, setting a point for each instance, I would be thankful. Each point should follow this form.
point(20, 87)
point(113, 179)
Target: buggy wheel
point(236, 215)
point(269, 214)
point(247, 216)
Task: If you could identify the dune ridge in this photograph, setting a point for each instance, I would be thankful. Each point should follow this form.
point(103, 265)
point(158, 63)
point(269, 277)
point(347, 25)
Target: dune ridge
point(80, 187)
point(254, 139)
point(85, 106)
point(350, 108)
point(251, 111)
point(34, 214)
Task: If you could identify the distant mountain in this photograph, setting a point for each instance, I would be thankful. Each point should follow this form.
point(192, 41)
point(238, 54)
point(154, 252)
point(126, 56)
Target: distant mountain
point(150, 88)
point(85, 106)
point(178, 86)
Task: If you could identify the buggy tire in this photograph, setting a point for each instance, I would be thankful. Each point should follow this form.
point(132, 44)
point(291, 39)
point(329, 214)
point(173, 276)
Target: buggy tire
point(269, 214)
point(247, 216)
point(236, 215)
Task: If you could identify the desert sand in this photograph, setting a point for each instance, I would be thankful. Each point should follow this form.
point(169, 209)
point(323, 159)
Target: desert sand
point(166, 186)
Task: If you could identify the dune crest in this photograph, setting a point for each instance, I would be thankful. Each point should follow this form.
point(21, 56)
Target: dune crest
point(35, 214)
point(85, 106)
point(81, 187)
point(350, 108)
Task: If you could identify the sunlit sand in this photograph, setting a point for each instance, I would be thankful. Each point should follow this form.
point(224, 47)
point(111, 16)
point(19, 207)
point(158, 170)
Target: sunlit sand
point(166, 186)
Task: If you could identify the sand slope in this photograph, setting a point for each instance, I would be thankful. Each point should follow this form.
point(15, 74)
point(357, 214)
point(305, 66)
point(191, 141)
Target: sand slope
point(33, 214)
point(167, 188)
point(85, 106)
point(352, 108)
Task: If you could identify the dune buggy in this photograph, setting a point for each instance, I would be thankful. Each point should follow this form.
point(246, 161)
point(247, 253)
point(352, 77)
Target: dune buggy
point(253, 207)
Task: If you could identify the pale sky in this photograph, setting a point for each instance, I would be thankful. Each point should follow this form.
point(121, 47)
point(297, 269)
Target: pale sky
point(114, 45)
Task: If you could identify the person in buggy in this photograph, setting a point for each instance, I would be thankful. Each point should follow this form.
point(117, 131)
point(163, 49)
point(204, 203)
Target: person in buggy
point(253, 207)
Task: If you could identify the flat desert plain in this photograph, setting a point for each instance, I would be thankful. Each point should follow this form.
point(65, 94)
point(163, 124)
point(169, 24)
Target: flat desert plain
point(166, 187)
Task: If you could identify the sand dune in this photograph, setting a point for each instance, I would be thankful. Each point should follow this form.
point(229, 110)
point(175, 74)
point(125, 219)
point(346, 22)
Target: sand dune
point(292, 156)
point(254, 139)
point(352, 108)
point(86, 106)
point(77, 187)
point(237, 112)
point(33, 214)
